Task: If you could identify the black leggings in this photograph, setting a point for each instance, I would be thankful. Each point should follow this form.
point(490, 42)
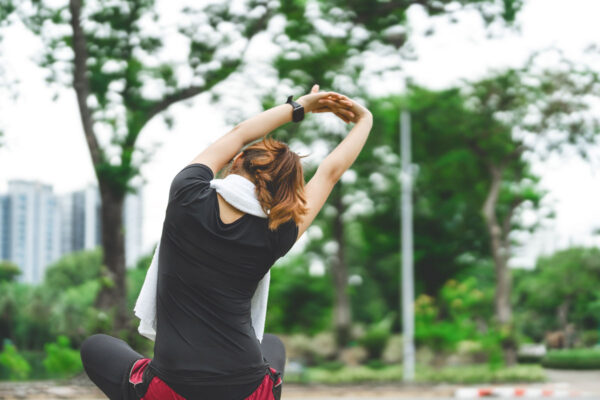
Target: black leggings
point(108, 361)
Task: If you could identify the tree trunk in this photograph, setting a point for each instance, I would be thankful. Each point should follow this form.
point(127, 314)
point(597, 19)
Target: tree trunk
point(499, 246)
point(341, 308)
point(113, 291)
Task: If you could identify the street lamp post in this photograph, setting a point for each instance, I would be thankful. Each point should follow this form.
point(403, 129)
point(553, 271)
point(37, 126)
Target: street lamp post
point(408, 319)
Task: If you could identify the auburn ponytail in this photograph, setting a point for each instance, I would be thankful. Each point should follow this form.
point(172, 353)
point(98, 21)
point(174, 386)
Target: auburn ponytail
point(279, 179)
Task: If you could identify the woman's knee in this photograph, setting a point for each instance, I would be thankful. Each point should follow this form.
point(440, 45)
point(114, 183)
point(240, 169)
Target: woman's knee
point(91, 345)
point(274, 350)
point(274, 342)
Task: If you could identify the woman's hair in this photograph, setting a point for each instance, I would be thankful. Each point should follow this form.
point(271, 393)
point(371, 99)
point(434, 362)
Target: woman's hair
point(277, 173)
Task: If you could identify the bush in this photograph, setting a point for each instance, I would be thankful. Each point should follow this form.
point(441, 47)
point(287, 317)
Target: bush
point(572, 359)
point(471, 374)
point(589, 338)
point(14, 365)
point(376, 337)
point(474, 374)
point(73, 312)
point(61, 360)
point(9, 271)
point(73, 269)
point(309, 350)
point(392, 354)
point(298, 302)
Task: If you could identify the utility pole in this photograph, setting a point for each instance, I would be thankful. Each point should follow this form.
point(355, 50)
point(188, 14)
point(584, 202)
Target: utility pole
point(408, 318)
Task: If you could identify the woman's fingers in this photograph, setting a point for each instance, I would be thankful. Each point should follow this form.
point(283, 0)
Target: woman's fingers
point(340, 113)
point(333, 103)
point(335, 109)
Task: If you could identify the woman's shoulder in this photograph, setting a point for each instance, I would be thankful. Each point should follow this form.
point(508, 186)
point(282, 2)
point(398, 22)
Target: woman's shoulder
point(286, 234)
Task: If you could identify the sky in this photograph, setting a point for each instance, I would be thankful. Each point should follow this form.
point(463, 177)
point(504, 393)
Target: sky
point(44, 140)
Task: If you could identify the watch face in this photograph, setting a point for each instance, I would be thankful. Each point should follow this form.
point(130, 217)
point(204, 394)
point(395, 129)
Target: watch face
point(298, 114)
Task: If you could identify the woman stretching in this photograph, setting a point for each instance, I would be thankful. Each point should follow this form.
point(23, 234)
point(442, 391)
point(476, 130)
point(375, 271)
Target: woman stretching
point(212, 257)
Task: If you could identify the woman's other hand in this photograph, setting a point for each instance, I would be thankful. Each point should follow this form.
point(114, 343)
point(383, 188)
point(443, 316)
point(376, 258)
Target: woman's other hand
point(352, 111)
point(311, 103)
point(346, 109)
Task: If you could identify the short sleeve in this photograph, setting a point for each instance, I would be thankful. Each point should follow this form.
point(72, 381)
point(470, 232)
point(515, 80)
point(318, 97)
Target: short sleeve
point(190, 182)
point(287, 235)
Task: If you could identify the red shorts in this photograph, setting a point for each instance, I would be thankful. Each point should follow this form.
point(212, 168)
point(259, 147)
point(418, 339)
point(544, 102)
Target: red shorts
point(157, 389)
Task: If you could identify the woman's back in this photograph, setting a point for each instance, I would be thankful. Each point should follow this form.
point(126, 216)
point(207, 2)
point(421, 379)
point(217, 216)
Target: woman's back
point(208, 272)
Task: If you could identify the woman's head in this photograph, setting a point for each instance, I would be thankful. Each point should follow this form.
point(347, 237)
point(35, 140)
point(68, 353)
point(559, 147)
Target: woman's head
point(277, 174)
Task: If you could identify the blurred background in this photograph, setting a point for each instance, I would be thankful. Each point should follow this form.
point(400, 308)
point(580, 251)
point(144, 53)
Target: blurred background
point(103, 102)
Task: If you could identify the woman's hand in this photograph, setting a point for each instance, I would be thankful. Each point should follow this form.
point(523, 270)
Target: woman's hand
point(343, 107)
point(311, 103)
point(351, 111)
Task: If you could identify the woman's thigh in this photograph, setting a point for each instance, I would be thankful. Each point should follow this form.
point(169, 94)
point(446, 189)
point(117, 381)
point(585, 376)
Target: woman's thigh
point(274, 351)
point(107, 361)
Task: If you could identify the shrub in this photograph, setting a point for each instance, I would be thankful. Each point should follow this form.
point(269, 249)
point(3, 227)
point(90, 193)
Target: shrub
point(474, 374)
point(471, 374)
point(376, 337)
point(589, 338)
point(309, 350)
point(392, 354)
point(572, 359)
point(298, 302)
point(9, 271)
point(15, 366)
point(61, 359)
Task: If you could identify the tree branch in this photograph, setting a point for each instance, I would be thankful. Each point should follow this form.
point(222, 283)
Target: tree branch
point(167, 101)
point(191, 91)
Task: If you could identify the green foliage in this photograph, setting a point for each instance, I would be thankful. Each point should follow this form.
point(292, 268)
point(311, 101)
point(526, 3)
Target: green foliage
point(298, 301)
point(573, 278)
point(61, 359)
point(376, 337)
point(8, 271)
point(145, 261)
point(480, 374)
point(474, 374)
point(572, 359)
point(14, 365)
point(73, 269)
point(462, 314)
point(73, 313)
point(443, 324)
point(24, 314)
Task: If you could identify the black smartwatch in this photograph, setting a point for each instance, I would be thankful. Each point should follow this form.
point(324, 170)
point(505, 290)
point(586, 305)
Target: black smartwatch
point(298, 113)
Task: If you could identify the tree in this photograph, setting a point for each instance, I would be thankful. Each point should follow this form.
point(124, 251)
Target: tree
point(540, 111)
point(110, 54)
point(450, 236)
point(470, 158)
point(8, 271)
point(560, 290)
point(327, 42)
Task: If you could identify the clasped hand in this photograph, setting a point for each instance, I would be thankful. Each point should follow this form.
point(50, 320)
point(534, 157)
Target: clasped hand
point(343, 107)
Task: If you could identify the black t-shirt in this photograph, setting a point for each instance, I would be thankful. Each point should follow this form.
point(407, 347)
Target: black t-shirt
point(208, 273)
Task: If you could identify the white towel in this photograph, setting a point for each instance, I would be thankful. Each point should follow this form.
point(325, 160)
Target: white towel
point(239, 192)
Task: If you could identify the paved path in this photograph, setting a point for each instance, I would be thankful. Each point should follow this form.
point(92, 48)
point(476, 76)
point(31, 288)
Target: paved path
point(81, 388)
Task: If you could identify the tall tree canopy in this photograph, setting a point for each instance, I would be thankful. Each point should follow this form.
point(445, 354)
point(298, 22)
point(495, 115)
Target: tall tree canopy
point(115, 55)
point(330, 42)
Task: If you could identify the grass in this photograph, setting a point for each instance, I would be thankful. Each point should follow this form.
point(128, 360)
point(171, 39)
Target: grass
point(460, 375)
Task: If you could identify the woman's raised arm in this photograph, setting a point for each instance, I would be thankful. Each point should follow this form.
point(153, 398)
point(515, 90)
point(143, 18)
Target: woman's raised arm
point(338, 161)
point(224, 149)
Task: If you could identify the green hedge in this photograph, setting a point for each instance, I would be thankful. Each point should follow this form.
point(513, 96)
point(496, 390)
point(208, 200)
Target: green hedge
point(471, 374)
point(572, 359)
